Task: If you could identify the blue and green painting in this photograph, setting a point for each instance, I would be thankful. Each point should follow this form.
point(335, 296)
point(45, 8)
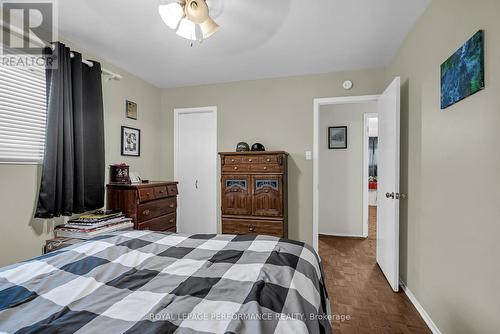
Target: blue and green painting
point(463, 73)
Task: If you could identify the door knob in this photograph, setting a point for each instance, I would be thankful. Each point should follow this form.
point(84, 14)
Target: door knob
point(401, 196)
point(196, 184)
point(390, 195)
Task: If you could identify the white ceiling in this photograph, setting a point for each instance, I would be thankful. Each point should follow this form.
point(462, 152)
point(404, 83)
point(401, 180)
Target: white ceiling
point(258, 38)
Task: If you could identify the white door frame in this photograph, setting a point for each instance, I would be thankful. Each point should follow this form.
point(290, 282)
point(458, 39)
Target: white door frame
point(317, 103)
point(366, 162)
point(199, 110)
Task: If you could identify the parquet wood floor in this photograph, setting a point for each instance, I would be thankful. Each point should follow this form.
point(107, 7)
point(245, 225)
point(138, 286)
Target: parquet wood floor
point(357, 288)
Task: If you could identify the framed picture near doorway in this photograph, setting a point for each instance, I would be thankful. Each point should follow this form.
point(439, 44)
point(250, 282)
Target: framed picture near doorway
point(337, 137)
point(131, 142)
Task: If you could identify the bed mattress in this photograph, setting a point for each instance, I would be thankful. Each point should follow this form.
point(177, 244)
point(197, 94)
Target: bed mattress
point(150, 282)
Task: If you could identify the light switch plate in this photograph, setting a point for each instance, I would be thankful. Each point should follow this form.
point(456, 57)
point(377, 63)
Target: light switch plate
point(308, 155)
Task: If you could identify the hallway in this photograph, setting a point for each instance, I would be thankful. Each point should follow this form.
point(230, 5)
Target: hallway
point(357, 288)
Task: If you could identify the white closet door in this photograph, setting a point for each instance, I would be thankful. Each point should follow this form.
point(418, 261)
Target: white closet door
point(195, 169)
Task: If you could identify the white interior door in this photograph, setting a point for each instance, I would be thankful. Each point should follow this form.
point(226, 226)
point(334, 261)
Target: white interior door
point(195, 136)
point(388, 180)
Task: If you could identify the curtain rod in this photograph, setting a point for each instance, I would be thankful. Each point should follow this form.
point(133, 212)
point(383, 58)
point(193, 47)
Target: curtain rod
point(89, 63)
point(20, 33)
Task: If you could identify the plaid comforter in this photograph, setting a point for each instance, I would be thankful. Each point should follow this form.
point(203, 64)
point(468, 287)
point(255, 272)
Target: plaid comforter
point(149, 282)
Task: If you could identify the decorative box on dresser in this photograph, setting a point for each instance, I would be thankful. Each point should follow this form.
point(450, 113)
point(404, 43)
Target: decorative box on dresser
point(254, 193)
point(152, 206)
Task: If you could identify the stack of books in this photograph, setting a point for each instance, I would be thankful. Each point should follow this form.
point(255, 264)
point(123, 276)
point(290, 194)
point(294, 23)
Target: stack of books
point(94, 224)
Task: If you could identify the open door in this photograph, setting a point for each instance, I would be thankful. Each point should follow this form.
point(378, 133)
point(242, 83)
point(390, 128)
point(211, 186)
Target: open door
point(388, 181)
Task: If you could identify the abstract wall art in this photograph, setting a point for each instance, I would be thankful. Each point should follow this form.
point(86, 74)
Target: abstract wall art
point(463, 73)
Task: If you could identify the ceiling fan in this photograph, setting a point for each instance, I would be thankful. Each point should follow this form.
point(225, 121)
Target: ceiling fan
point(190, 18)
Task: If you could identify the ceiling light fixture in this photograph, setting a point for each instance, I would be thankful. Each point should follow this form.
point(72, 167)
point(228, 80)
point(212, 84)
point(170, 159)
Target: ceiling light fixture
point(189, 18)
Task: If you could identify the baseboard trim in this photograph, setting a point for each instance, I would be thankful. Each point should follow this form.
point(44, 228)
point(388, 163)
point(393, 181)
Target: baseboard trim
point(432, 326)
point(342, 235)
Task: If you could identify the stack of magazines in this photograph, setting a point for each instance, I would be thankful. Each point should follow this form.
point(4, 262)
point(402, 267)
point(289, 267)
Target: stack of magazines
point(94, 224)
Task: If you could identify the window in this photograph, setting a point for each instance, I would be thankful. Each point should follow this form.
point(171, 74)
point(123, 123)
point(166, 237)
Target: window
point(23, 114)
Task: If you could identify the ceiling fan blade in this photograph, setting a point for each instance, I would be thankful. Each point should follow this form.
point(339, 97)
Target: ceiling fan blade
point(187, 29)
point(171, 14)
point(209, 27)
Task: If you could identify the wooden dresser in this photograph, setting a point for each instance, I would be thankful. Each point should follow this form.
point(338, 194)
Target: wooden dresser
point(152, 206)
point(254, 193)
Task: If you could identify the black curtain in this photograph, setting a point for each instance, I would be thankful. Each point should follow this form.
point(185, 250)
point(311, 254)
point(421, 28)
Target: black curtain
point(73, 166)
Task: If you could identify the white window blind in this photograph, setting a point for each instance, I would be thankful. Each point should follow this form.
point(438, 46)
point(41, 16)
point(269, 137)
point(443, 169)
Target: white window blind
point(23, 114)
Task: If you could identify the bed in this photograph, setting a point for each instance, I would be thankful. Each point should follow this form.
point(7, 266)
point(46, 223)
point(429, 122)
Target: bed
point(150, 282)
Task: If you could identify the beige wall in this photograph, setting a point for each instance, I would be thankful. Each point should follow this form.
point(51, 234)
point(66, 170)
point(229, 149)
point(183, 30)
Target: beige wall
point(277, 113)
point(22, 236)
point(450, 167)
point(341, 171)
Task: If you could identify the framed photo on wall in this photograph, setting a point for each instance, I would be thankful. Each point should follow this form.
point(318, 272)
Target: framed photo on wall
point(131, 142)
point(131, 109)
point(337, 137)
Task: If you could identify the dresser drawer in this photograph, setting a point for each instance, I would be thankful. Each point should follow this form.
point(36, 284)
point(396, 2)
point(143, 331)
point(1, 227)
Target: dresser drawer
point(172, 190)
point(253, 159)
point(236, 168)
point(269, 159)
point(241, 226)
point(263, 168)
point(163, 223)
point(161, 192)
point(233, 160)
point(146, 194)
point(156, 208)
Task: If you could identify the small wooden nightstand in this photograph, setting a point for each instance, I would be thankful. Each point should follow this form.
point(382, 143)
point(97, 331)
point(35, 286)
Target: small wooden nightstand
point(59, 243)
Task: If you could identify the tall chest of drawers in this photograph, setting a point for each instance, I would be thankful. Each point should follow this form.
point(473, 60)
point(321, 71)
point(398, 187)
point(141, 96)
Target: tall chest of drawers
point(152, 206)
point(254, 193)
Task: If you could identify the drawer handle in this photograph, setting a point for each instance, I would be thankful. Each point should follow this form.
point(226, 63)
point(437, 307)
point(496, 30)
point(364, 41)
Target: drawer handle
point(172, 205)
point(161, 191)
point(267, 190)
point(265, 168)
point(232, 160)
point(251, 227)
point(146, 212)
point(235, 190)
point(235, 168)
point(148, 194)
point(250, 160)
point(268, 160)
point(172, 221)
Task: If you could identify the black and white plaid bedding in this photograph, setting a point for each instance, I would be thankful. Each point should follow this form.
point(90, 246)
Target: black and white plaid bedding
point(148, 282)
